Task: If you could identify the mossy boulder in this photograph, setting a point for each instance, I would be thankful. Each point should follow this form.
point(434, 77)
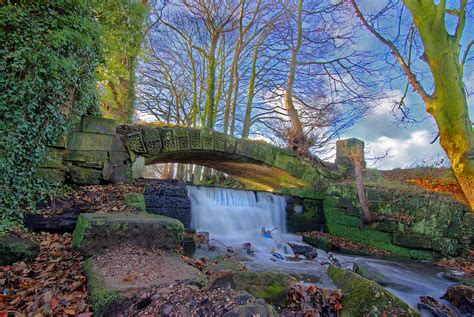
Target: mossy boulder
point(51, 175)
point(322, 243)
point(14, 249)
point(368, 271)
point(104, 299)
point(135, 200)
point(416, 241)
point(225, 263)
point(271, 286)
point(259, 308)
point(95, 232)
point(362, 297)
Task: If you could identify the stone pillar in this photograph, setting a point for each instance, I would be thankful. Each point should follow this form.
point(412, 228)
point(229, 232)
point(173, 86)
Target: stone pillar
point(344, 150)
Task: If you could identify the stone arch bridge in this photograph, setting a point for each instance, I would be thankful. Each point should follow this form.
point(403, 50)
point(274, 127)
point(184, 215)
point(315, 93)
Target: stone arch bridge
point(99, 151)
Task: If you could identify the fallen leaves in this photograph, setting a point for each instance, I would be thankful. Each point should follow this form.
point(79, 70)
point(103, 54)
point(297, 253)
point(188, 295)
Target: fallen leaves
point(461, 264)
point(313, 301)
point(53, 284)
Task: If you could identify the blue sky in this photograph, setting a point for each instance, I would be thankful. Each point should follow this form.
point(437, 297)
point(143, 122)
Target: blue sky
point(409, 144)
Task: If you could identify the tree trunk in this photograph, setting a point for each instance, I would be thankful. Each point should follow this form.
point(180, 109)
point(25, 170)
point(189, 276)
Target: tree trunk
point(297, 138)
point(211, 84)
point(361, 190)
point(448, 104)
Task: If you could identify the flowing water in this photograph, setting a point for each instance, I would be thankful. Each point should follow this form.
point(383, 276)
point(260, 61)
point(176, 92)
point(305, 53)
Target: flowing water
point(236, 217)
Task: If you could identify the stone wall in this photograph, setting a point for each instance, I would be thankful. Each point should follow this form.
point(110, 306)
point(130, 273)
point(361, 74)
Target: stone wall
point(169, 198)
point(93, 153)
point(305, 214)
point(438, 225)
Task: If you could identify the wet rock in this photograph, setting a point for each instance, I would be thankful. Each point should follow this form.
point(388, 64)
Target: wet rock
point(14, 249)
point(371, 273)
point(252, 310)
point(300, 248)
point(223, 279)
point(311, 255)
point(97, 232)
point(461, 296)
point(362, 297)
point(225, 263)
point(271, 286)
point(243, 298)
point(322, 243)
point(189, 245)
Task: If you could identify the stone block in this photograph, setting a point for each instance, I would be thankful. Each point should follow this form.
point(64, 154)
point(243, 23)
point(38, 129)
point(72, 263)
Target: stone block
point(99, 125)
point(138, 166)
point(219, 141)
point(230, 144)
point(168, 140)
point(60, 143)
point(96, 232)
point(385, 226)
point(415, 241)
point(14, 249)
point(195, 139)
point(135, 143)
point(51, 175)
point(118, 158)
point(182, 140)
point(118, 144)
point(85, 176)
point(87, 156)
point(207, 139)
point(79, 141)
point(53, 158)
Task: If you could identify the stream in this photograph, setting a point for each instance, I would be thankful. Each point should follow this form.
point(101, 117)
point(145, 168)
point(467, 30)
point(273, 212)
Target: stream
point(235, 217)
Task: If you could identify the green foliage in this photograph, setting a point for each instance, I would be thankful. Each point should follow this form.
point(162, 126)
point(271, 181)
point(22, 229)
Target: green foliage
point(49, 55)
point(122, 32)
point(135, 200)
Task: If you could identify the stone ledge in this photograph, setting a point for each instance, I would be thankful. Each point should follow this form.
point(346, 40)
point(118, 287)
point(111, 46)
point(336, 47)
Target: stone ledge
point(96, 232)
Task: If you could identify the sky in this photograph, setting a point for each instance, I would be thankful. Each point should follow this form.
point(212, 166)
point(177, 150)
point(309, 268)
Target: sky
point(409, 145)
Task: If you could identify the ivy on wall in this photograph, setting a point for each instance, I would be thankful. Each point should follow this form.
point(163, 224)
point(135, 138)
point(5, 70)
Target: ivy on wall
point(49, 53)
point(122, 29)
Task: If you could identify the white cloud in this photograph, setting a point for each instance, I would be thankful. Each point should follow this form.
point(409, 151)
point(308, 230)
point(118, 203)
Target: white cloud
point(406, 152)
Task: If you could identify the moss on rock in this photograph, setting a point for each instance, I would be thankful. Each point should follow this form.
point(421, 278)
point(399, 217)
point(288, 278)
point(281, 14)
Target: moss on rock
point(271, 286)
point(135, 200)
point(95, 232)
point(14, 249)
point(362, 297)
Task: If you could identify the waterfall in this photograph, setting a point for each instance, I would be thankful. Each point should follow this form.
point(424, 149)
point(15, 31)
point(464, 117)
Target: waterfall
point(235, 217)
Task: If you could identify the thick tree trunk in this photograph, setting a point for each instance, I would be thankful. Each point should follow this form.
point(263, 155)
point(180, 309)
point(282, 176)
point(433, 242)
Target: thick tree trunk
point(297, 138)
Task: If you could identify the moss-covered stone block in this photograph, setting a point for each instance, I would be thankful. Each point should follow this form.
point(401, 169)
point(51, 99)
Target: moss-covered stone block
point(99, 125)
point(207, 139)
point(135, 200)
point(104, 299)
point(87, 156)
point(362, 297)
point(219, 140)
point(152, 139)
point(51, 175)
point(270, 285)
point(167, 140)
point(95, 232)
point(386, 226)
point(14, 249)
point(79, 141)
point(230, 144)
point(195, 139)
point(182, 140)
point(413, 241)
point(53, 158)
point(85, 176)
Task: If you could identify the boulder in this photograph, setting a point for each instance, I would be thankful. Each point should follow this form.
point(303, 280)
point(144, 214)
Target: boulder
point(14, 249)
point(95, 232)
point(259, 308)
point(322, 243)
point(461, 296)
point(224, 263)
point(368, 271)
point(271, 285)
point(362, 297)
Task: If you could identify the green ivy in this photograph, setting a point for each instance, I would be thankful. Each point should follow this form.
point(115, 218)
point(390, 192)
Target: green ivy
point(49, 53)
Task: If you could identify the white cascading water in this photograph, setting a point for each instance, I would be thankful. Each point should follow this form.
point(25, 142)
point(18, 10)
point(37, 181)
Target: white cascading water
point(234, 217)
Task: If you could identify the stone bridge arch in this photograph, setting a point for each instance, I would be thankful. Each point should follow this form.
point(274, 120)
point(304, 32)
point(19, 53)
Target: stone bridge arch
point(99, 151)
point(255, 163)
